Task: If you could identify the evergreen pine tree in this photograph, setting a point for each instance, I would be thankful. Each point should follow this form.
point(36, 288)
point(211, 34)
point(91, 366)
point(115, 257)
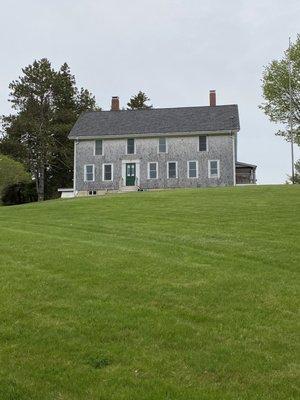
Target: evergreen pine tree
point(138, 101)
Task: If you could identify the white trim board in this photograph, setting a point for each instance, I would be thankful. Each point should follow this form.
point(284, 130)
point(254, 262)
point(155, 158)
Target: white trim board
point(218, 166)
point(171, 162)
point(188, 169)
point(98, 155)
point(134, 147)
point(161, 152)
point(112, 172)
point(137, 169)
point(148, 169)
point(155, 135)
point(84, 170)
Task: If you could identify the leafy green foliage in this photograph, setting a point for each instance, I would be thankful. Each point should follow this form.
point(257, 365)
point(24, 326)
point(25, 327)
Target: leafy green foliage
point(138, 101)
point(297, 172)
point(47, 104)
point(11, 172)
point(183, 294)
point(19, 193)
point(275, 84)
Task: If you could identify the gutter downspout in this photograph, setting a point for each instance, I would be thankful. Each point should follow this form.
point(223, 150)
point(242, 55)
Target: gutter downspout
point(74, 172)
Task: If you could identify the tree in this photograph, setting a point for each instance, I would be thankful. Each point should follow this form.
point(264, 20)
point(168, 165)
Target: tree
point(11, 172)
point(297, 173)
point(70, 103)
point(275, 84)
point(138, 101)
point(47, 104)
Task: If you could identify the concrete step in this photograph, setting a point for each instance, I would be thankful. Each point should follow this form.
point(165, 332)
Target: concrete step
point(125, 189)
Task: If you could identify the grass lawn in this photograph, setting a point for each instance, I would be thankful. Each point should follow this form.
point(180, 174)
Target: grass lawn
point(184, 294)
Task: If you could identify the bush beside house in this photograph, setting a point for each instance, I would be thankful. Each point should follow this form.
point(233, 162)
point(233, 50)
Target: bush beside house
point(19, 193)
point(16, 185)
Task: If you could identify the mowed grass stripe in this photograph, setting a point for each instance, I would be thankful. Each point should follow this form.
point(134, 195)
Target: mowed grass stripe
point(170, 295)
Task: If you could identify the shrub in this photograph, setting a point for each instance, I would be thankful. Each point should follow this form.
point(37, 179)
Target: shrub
point(19, 193)
point(11, 172)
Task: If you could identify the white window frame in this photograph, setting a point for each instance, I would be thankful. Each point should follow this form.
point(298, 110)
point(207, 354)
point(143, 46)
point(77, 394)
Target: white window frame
point(159, 152)
point(171, 162)
point(95, 148)
point(188, 169)
point(134, 147)
point(156, 163)
point(85, 174)
point(103, 172)
point(203, 151)
point(218, 166)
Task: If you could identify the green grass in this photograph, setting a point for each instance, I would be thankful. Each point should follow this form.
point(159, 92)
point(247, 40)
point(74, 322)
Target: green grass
point(184, 294)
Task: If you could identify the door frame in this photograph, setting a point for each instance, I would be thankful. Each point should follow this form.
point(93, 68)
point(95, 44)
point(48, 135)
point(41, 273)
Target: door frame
point(137, 170)
point(132, 174)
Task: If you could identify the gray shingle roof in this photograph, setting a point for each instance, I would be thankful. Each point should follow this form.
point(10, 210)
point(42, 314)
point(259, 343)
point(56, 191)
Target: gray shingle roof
point(157, 121)
point(242, 164)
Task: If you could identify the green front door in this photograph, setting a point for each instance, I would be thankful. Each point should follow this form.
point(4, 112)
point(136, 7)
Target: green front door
point(130, 174)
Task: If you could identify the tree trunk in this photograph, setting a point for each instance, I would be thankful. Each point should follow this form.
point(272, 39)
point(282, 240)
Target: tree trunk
point(40, 183)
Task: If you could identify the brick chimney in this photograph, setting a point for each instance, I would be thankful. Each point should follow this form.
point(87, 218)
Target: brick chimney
point(115, 104)
point(212, 98)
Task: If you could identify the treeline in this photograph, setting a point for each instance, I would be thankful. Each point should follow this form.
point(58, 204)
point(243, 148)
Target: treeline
point(46, 103)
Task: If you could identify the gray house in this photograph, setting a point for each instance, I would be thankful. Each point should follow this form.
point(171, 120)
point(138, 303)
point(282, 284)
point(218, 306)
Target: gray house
point(120, 150)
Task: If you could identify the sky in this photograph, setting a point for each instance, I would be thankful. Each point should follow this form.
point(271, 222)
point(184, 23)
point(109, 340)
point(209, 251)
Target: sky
point(173, 50)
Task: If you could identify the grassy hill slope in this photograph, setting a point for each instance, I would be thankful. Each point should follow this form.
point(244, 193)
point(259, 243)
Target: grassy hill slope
point(184, 294)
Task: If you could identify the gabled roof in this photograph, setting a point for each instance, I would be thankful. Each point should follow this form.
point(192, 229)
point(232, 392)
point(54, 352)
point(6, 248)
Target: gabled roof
point(157, 121)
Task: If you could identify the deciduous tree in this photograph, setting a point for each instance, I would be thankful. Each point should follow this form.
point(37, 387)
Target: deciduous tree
point(11, 172)
point(275, 85)
point(297, 172)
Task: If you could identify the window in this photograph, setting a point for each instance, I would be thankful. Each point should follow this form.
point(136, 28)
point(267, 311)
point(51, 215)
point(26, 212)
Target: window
point(202, 143)
point(98, 147)
point(192, 169)
point(214, 169)
point(152, 170)
point(92, 192)
point(130, 146)
point(89, 173)
point(172, 169)
point(107, 172)
point(162, 145)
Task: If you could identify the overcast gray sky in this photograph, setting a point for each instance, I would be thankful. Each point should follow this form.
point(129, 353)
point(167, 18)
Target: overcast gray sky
point(174, 50)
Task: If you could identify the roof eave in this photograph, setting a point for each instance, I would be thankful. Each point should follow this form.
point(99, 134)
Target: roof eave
point(154, 134)
point(242, 164)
